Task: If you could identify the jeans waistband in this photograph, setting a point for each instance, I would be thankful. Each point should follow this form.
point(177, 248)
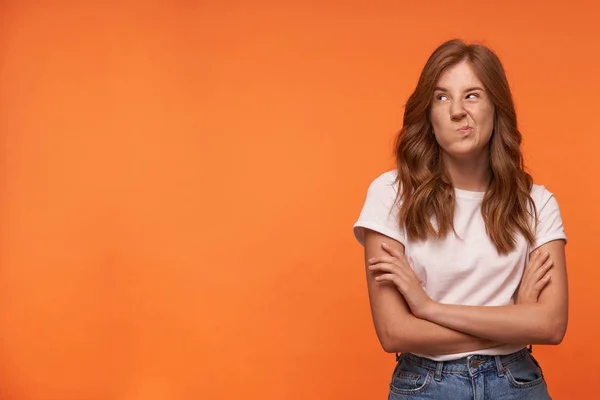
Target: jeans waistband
point(467, 365)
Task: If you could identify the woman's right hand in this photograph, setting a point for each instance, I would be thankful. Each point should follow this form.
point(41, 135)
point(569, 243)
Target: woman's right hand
point(535, 278)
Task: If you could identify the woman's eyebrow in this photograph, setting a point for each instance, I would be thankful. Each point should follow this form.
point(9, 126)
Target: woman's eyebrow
point(442, 89)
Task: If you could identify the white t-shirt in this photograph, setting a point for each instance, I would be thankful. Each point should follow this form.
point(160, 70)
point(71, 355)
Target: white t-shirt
point(466, 270)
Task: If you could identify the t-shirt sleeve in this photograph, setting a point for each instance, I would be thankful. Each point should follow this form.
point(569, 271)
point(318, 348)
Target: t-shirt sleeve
point(550, 225)
point(379, 212)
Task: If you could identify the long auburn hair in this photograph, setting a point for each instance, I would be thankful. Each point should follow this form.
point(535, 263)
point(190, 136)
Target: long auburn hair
point(425, 189)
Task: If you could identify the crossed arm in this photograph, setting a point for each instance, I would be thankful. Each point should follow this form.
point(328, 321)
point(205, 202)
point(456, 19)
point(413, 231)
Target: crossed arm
point(437, 328)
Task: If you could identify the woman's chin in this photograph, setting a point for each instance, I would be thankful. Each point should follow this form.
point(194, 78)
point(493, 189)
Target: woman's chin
point(463, 152)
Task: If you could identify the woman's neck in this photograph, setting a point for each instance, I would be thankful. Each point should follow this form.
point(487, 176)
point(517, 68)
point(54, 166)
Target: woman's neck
point(469, 174)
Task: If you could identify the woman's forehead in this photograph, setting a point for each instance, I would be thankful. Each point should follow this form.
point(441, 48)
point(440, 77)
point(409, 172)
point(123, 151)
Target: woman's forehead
point(459, 76)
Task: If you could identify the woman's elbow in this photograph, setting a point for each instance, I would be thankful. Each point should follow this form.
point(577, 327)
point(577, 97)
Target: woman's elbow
point(391, 342)
point(388, 342)
point(555, 333)
point(389, 347)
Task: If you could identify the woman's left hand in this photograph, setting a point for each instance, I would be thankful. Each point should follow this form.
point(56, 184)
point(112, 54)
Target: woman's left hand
point(395, 269)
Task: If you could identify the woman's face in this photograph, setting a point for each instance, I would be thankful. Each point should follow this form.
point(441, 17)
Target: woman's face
point(461, 113)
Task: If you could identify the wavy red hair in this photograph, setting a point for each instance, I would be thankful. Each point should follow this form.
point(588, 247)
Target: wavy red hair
point(426, 188)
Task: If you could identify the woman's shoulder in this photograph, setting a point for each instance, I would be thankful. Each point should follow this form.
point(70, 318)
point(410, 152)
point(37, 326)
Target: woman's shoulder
point(385, 181)
point(539, 190)
point(540, 194)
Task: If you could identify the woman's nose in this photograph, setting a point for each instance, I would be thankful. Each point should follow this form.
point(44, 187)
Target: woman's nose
point(457, 111)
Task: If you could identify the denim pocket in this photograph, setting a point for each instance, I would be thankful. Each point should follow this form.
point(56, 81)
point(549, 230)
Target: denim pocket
point(524, 372)
point(410, 378)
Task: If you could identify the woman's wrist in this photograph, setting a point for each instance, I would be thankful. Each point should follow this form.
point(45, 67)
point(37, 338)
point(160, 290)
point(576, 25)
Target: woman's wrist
point(429, 310)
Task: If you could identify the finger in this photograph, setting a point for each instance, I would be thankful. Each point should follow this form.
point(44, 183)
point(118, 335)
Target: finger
point(392, 251)
point(388, 278)
point(537, 254)
point(539, 266)
point(541, 259)
point(541, 284)
point(532, 259)
point(382, 259)
point(542, 270)
point(537, 258)
point(391, 269)
point(539, 273)
point(399, 256)
point(534, 264)
point(383, 267)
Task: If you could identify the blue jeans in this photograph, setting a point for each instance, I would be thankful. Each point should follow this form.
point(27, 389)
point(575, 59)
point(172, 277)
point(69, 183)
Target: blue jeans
point(515, 376)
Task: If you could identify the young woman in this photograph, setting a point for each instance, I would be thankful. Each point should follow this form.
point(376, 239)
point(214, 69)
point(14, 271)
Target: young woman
point(465, 256)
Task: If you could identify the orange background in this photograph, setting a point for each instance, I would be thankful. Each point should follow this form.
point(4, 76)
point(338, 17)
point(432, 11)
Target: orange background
point(180, 179)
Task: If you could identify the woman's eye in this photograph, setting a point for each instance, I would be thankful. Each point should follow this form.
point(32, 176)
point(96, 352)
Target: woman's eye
point(472, 96)
point(441, 97)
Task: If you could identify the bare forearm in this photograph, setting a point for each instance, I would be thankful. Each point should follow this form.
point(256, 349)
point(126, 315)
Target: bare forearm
point(417, 335)
point(523, 323)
